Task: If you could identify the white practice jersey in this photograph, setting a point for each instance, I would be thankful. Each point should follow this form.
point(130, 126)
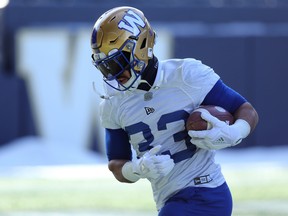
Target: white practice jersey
point(180, 86)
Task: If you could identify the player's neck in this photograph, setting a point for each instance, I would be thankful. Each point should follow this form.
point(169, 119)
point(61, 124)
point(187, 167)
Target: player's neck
point(149, 74)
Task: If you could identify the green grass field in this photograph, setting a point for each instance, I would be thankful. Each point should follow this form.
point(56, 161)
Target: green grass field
point(261, 190)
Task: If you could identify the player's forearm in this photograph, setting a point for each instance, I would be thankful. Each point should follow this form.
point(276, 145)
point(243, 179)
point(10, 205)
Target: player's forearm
point(247, 112)
point(115, 166)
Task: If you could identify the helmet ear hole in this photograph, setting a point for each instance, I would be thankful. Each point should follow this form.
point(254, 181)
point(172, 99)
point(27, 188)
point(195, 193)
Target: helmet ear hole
point(143, 45)
point(127, 55)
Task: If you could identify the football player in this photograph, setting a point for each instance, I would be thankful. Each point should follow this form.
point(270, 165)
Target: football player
point(146, 106)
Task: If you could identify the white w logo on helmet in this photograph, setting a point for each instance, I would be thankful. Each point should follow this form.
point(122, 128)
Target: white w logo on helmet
point(131, 22)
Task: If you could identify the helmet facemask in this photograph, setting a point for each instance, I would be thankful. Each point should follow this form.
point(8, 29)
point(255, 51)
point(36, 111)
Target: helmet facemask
point(116, 63)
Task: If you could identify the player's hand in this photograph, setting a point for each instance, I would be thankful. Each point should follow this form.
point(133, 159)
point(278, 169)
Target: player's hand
point(220, 136)
point(151, 165)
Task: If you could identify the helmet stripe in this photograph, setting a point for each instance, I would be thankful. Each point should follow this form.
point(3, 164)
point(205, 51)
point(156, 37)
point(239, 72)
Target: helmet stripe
point(94, 36)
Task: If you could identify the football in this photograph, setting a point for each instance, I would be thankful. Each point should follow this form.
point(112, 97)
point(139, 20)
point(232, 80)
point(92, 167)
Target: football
point(195, 122)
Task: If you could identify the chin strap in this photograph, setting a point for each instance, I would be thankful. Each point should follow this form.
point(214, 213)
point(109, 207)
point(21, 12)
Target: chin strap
point(142, 81)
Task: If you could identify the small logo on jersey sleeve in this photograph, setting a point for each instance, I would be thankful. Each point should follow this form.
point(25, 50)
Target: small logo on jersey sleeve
point(149, 110)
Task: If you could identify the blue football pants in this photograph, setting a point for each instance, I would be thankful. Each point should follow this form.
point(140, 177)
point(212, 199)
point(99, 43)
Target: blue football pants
point(199, 201)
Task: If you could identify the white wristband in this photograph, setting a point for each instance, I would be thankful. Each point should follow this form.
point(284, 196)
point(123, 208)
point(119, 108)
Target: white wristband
point(243, 127)
point(127, 172)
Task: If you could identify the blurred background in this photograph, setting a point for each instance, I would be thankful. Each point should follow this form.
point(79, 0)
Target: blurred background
point(49, 127)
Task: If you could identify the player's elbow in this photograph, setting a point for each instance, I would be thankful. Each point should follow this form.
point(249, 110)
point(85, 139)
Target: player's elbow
point(115, 166)
point(247, 112)
point(252, 116)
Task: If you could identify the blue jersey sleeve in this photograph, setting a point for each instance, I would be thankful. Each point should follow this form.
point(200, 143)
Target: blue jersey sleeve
point(223, 96)
point(117, 144)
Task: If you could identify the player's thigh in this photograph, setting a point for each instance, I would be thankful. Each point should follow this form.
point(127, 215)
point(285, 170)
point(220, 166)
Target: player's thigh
point(215, 201)
point(200, 202)
point(174, 208)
